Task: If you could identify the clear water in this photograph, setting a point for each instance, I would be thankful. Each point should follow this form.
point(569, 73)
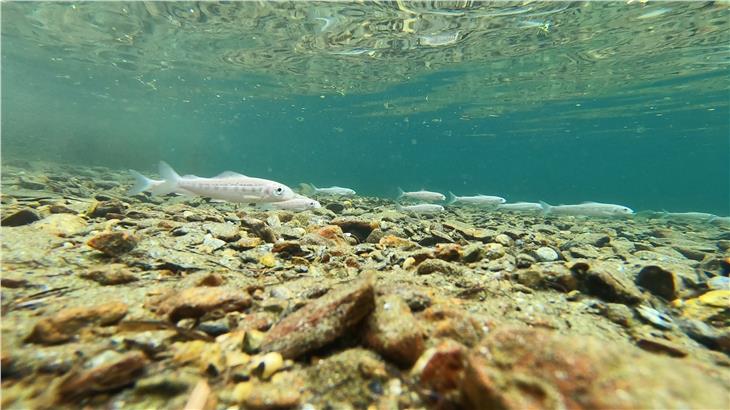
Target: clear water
point(622, 102)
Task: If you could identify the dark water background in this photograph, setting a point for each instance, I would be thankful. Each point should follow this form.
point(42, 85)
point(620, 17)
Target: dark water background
point(625, 147)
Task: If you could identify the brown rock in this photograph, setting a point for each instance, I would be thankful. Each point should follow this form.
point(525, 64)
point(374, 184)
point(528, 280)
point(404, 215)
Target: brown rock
point(441, 368)
point(437, 265)
point(442, 322)
point(393, 331)
point(64, 325)
point(113, 243)
point(323, 320)
point(110, 376)
point(653, 344)
point(448, 251)
point(519, 368)
point(658, 281)
point(290, 248)
point(199, 301)
point(259, 228)
point(113, 274)
point(330, 235)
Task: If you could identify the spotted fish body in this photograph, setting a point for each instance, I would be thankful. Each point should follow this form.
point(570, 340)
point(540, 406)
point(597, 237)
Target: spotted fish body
point(228, 186)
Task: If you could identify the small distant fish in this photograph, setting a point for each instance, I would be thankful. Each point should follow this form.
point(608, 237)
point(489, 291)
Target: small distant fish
point(421, 208)
point(691, 216)
point(228, 186)
point(421, 195)
point(587, 209)
point(298, 203)
point(310, 189)
point(520, 207)
point(480, 200)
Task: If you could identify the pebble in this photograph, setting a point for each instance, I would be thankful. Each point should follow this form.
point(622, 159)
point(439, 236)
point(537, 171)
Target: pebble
point(655, 318)
point(440, 368)
point(604, 280)
point(437, 265)
point(267, 365)
point(63, 225)
point(113, 243)
point(546, 254)
point(719, 283)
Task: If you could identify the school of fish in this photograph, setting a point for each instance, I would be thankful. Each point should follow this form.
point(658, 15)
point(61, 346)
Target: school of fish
point(266, 194)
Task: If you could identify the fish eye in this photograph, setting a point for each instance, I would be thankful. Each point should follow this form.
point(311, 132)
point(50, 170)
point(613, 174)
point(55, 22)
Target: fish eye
point(279, 190)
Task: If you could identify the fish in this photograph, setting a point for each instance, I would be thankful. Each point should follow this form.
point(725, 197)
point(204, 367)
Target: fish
point(691, 216)
point(421, 208)
point(520, 207)
point(228, 186)
point(421, 195)
point(479, 200)
point(587, 209)
point(298, 203)
point(310, 189)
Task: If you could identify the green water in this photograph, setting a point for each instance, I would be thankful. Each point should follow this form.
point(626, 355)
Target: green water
point(564, 102)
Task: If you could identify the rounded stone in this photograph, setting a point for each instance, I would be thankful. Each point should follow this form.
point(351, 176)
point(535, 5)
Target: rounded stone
point(545, 254)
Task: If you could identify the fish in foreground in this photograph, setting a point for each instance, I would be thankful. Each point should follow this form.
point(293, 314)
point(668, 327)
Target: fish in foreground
point(228, 186)
point(421, 195)
point(298, 203)
point(421, 208)
point(587, 209)
point(479, 200)
point(521, 207)
point(310, 189)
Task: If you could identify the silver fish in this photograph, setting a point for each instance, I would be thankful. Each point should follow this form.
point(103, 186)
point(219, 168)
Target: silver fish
point(479, 200)
point(421, 208)
point(521, 207)
point(298, 203)
point(587, 209)
point(310, 189)
point(421, 195)
point(228, 186)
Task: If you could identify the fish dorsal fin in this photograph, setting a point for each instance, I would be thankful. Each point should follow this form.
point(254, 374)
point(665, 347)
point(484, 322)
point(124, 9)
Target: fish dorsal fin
point(230, 174)
point(191, 177)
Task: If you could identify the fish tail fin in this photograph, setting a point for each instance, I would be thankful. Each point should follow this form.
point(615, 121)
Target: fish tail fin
point(400, 193)
point(452, 198)
point(171, 179)
point(141, 183)
point(307, 189)
point(546, 207)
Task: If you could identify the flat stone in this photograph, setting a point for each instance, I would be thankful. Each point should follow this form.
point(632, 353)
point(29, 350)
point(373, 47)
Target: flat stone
point(323, 320)
point(227, 232)
point(19, 218)
point(519, 368)
point(393, 331)
point(64, 325)
point(113, 274)
point(196, 302)
point(118, 372)
point(63, 225)
point(441, 368)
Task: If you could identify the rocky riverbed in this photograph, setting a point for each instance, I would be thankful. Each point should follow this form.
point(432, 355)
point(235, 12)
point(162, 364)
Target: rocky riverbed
point(141, 302)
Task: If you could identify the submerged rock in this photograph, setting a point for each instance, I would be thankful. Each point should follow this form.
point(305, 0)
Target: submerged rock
point(64, 325)
point(115, 372)
point(393, 331)
point(22, 217)
point(323, 320)
point(196, 302)
point(518, 368)
point(113, 243)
